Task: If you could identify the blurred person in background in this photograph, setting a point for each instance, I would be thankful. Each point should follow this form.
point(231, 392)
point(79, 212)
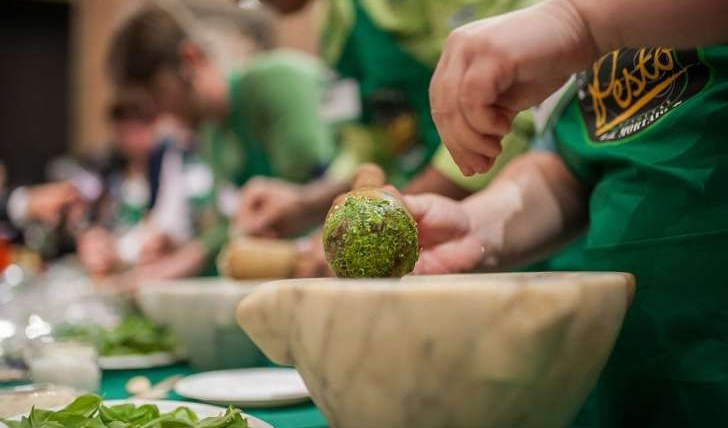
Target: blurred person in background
point(158, 196)
point(390, 50)
point(45, 203)
point(255, 110)
point(42, 216)
point(128, 188)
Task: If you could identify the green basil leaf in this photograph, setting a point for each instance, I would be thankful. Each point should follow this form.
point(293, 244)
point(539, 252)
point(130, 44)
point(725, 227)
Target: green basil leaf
point(143, 414)
point(12, 424)
point(122, 412)
point(85, 405)
point(109, 415)
point(156, 422)
point(175, 423)
point(117, 424)
point(38, 416)
point(238, 421)
point(69, 420)
point(50, 424)
point(25, 422)
point(231, 416)
point(184, 414)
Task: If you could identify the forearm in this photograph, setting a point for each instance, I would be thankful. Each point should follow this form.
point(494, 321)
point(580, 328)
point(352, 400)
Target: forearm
point(317, 198)
point(534, 206)
point(434, 181)
point(188, 260)
point(615, 24)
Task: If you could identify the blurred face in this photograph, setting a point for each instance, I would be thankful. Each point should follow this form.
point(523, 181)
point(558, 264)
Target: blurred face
point(136, 138)
point(194, 91)
point(174, 94)
point(287, 6)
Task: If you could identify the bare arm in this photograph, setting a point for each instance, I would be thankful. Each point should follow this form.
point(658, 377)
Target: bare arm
point(532, 207)
point(676, 23)
point(276, 208)
point(433, 181)
point(492, 68)
point(188, 260)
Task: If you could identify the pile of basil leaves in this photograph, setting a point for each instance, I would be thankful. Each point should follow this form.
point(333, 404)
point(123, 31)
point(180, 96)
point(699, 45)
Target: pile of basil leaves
point(88, 411)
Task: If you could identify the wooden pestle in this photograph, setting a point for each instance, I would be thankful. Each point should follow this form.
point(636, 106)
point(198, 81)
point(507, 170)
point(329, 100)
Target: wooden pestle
point(368, 181)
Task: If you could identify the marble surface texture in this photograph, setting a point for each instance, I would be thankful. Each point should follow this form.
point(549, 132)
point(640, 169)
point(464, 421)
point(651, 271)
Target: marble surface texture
point(484, 350)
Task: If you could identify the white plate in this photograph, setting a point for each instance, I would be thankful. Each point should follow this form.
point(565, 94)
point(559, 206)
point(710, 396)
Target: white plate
point(201, 410)
point(260, 387)
point(138, 361)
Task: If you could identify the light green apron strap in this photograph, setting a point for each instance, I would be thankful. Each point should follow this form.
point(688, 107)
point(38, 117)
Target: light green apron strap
point(256, 160)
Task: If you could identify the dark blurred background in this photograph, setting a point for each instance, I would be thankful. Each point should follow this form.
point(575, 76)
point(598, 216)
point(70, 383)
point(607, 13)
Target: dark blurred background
point(35, 65)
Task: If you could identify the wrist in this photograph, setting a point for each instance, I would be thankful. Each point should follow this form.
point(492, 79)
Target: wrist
point(490, 214)
point(585, 44)
point(490, 241)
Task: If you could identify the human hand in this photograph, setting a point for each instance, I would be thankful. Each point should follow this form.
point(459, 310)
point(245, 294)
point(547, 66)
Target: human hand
point(448, 242)
point(96, 251)
point(493, 68)
point(311, 260)
point(270, 208)
point(47, 202)
point(155, 246)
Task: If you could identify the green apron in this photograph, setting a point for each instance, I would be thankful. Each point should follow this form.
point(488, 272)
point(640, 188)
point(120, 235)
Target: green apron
point(131, 209)
point(393, 85)
point(234, 157)
point(391, 48)
point(232, 152)
point(648, 132)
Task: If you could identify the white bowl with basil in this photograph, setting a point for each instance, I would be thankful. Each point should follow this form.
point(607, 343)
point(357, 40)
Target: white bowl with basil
point(200, 312)
point(92, 412)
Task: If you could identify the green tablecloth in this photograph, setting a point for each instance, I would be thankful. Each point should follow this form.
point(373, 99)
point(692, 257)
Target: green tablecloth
point(301, 416)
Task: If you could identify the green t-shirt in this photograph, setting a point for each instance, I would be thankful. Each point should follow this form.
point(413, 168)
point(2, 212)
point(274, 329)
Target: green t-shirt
point(272, 129)
point(648, 132)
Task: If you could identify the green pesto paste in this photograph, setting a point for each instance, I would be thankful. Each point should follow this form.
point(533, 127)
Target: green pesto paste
point(368, 238)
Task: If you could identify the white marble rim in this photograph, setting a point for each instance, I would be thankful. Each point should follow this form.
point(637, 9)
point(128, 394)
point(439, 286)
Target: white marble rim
point(468, 280)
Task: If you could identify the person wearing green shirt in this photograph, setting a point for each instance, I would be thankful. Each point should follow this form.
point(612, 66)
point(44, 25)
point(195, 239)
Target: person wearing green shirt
point(257, 118)
point(390, 49)
point(640, 163)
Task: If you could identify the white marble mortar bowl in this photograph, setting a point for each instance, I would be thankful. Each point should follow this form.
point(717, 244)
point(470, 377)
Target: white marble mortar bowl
point(484, 350)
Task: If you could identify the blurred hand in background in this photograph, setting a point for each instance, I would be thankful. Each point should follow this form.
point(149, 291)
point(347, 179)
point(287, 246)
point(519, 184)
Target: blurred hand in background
point(269, 208)
point(275, 208)
point(49, 202)
point(97, 251)
point(156, 246)
point(311, 261)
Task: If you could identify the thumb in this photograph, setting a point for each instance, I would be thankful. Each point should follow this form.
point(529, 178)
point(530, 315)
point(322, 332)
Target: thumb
point(418, 205)
point(439, 219)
